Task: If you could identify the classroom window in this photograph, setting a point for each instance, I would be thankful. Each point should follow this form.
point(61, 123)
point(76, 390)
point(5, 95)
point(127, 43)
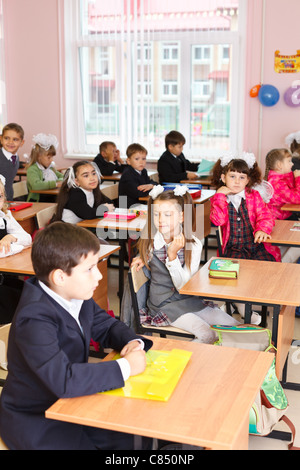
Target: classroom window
point(137, 69)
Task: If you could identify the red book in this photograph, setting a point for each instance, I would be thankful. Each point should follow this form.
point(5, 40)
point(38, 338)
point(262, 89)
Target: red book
point(18, 206)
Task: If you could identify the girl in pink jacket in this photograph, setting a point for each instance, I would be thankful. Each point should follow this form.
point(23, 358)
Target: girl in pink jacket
point(286, 184)
point(245, 220)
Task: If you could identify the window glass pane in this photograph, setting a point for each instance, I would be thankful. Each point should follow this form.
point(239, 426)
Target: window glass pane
point(147, 67)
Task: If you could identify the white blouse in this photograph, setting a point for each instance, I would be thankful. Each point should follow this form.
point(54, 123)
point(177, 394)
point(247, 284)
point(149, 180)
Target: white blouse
point(15, 229)
point(180, 274)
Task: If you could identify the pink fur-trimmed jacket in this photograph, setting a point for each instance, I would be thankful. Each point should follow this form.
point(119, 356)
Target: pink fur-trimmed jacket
point(260, 217)
point(286, 191)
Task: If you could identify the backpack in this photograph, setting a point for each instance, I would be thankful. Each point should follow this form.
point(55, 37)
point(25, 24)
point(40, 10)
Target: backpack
point(271, 403)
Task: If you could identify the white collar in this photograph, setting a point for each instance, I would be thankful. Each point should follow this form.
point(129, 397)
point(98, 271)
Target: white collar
point(73, 307)
point(8, 154)
point(236, 199)
point(89, 196)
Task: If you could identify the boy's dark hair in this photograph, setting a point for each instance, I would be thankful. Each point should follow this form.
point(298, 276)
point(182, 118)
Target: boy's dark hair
point(61, 246)
point(134, 148)
point(103, 146)
point(174, 138)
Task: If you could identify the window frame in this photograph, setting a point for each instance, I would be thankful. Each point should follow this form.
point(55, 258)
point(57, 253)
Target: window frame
point(74, 129)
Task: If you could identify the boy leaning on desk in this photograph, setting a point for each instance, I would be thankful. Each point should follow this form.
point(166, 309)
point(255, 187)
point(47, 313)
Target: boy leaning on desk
point(49, 346)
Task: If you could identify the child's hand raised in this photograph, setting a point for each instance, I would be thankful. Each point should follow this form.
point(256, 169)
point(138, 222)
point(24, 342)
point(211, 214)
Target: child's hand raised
point(261, 236)
point(138, 262)
point(224, 190)
point(176, 245)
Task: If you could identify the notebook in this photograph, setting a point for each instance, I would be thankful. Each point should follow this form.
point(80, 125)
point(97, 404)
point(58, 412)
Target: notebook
point(296, 227)
point(224, 269)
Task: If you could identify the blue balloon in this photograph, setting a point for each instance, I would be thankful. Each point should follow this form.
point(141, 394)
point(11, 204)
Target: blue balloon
point(268, 95)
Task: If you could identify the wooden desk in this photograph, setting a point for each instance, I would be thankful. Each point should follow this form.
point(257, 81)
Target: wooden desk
point(259, 283)
point(26, 217)
point(209, 406)
point(116, 176)
point(205, 181)
point(53, 192)
point(283, 235)
point(126, 230)
point(20, 264)
point(291, 207)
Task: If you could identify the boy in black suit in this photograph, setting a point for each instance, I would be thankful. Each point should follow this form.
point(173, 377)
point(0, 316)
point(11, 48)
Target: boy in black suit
point(172, 166)
point(108, 159)
point(49, 346)
point(11, 141)
point(135, 182)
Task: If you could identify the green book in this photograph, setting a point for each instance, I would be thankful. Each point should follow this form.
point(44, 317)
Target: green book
point(224, 269)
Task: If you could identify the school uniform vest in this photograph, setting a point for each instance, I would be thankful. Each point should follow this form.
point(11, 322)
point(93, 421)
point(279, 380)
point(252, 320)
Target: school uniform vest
point(241, 241)
point(9, 171)
point(163, 296)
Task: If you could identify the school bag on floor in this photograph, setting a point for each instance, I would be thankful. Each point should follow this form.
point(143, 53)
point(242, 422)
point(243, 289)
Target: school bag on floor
point(271, 404)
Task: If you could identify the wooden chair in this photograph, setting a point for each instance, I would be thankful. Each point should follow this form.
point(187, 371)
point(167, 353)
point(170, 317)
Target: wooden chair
point(136, 280)
point(20, 189)
point(111, 191)
point(43, 217)
point(4, 332)
point(264, 310)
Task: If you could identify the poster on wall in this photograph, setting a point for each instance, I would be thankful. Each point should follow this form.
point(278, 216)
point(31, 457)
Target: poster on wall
point(287, 63)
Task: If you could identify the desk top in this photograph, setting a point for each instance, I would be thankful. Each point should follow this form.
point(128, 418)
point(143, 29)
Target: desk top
point(53, 191)
point(261, 282)
point(209, 417)
point(206, 194)
point(136, 224)
point(205, 180)
point(21, 262)
point(283, 235)
point(291, 207)
point(116, 175)
point(31, 211)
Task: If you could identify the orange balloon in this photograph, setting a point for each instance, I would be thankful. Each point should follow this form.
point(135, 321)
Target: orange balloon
point(254, 91)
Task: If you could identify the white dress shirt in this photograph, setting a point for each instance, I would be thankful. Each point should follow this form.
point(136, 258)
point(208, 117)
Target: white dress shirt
point(180, 274)
point(14, 228)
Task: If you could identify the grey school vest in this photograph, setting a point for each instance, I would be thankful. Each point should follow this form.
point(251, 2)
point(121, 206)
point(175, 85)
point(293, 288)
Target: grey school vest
point(163, 296)
point(9, 171)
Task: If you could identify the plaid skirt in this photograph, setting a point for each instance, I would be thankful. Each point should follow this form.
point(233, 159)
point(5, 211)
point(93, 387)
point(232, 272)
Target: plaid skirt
point(241, 241)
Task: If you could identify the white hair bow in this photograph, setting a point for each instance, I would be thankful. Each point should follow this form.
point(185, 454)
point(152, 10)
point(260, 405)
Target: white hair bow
point(249, 158)
point(180, 190)
point(46, 141)
point(156, 191)
point(291, 137)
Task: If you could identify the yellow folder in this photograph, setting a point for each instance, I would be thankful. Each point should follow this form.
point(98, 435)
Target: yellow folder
point(159, 379)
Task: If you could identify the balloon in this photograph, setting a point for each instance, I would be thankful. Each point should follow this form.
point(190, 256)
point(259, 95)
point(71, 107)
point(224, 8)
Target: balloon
point(254, 91)
point(292, 96)
point(268, 95)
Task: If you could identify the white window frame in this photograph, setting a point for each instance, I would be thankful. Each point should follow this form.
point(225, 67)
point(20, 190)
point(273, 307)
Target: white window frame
point(74, 128)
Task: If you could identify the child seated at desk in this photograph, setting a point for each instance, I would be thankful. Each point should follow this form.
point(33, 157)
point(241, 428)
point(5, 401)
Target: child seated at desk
point(41, 173)
point(135, 181)
point(11, 141)
point(168, 248)
point(49, 345)
point(172, 166)
point(108, 159)
point(293, 141)
point(12, 235)
point(285, 182)
point(80, 197)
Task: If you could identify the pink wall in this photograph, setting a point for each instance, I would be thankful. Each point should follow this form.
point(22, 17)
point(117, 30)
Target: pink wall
point(281, 33)
point(33, 72)
point(32, 67)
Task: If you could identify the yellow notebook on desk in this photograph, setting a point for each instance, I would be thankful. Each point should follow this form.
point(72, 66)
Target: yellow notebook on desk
point(159, 379)
point(224, 269)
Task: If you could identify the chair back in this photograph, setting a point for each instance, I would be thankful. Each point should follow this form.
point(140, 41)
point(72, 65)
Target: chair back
point(43, 217)
point(111, 191)
point(20, 189)
point(219, 240)
point(4, 332)
point(136, 280)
